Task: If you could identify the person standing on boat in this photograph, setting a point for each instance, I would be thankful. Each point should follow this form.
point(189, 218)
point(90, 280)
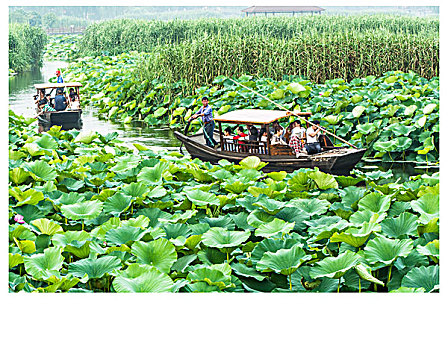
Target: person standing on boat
point(58, 74)
point(208, 123)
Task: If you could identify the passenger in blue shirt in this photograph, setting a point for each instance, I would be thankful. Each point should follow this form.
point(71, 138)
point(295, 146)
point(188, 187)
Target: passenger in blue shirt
point(60, 102)
point(58, 74)
point(208, 123)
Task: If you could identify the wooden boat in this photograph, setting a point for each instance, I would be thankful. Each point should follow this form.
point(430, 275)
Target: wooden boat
point(67, 119)
point(334, 160)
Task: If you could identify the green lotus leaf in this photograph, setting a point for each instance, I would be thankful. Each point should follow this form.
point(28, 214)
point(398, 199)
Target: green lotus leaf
point(277, 176)
point(426, 277)
point(64, 239)
point(176, 230)
point(182, 263)
point(152, 175)
point(403, 226)
point(47, 142)
point(386, 251)
point(86, 136)
point(83, 210)
point(252, 162)
point(270, 206)
point(94, 267)
point(277, 94)
point(431, 250)
point(375, 202)
point(362, 216)
point(14, 260)
point(398, 207)
point(30, 196)
point(212, 276)
point(142, 279)
point(126, 162)
point(408, 290)
point(271, 245)
point(26, 246)
point(160, 253)
point(42, 266)
point(357, 111)
point(219, 237)
point(72, 184)
point(346, 181)
point(354, 236)
point(135, 189)
point(410, 110)
point(156, 192)
point(33, 149)
point(335, 267)
point(141, 221)
point(323, 181)
point(236, 187)
point(117, 204)
point(385, 146)
point(160, 111)
point(284, 261)
point(299, 182)
point(427, 206)
point(258, 217)
point(47, 227)
point(311, 206)
point(123, 235)
point(273, 228)
point(366, 129)
point(365, 273)
point(201, 198)
point(295, 88)
point(429, 108)
point(351, 195)
point(18, 175)
point(246, 271)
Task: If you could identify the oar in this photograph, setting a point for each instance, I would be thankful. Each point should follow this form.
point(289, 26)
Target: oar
point(306, 121)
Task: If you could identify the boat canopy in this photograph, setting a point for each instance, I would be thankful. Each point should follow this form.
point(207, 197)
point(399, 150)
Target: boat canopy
point(254, 116)
point(56, 85)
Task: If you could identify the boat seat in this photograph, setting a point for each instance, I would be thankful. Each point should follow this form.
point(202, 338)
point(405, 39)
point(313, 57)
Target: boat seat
point(281, 150)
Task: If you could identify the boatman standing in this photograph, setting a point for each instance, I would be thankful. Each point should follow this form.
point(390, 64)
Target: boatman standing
point(58, 74)
point(208, 123)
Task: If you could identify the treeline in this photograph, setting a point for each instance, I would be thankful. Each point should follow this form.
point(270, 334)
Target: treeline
point(26, 46)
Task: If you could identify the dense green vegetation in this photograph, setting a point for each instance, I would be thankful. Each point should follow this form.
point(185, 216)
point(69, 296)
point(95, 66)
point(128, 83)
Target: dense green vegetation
point(395, 115)
point(89, 213)
point(26, 46)
point(62, 47)
point(316, 47)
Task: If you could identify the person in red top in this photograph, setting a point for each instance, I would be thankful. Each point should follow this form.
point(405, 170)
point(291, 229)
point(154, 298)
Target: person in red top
point(240, 136)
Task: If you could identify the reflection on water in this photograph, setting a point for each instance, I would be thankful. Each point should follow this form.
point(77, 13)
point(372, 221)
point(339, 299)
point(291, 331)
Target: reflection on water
point(21, 101)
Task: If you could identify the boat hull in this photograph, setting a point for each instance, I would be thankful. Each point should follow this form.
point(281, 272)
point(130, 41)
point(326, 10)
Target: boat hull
point(67, 120)
point(338, 161)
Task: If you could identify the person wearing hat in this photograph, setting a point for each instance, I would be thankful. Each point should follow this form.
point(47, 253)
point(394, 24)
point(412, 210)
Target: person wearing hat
point(60, 102)
point(58, 74)
point(208, 123)
point(312, 138)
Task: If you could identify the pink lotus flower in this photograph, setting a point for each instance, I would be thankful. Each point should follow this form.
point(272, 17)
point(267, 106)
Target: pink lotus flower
point(19, 219)
point(321, 93)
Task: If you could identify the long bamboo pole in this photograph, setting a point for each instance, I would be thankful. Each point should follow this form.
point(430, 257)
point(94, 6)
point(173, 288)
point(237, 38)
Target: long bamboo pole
point(293, 113)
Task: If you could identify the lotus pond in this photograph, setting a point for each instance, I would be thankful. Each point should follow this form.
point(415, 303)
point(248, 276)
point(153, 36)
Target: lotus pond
point(394, 116)
point(89, 213)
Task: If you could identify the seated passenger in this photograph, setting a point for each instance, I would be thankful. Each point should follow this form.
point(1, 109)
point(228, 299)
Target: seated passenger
point(228, 133)
point(60, 102)
point(253, 133)
point(277, 138)
point(240, 135)
point(74, 103)
point(312, 138)
point(296, 140)
point(43, 106)
point(275, 125)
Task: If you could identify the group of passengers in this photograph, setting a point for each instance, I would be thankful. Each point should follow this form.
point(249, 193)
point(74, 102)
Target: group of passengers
point(301, 141)
point(60, 102)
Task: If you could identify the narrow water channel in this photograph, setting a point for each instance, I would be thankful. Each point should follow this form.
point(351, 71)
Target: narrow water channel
point(21, 91)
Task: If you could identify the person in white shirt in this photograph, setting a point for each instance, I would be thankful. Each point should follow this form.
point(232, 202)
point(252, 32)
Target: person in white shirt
point(296, 139)
point(312, 138)
point(277, 138)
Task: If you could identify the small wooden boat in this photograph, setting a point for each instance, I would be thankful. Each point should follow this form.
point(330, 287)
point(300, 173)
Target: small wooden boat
point(68, 118)
point(334, 160)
